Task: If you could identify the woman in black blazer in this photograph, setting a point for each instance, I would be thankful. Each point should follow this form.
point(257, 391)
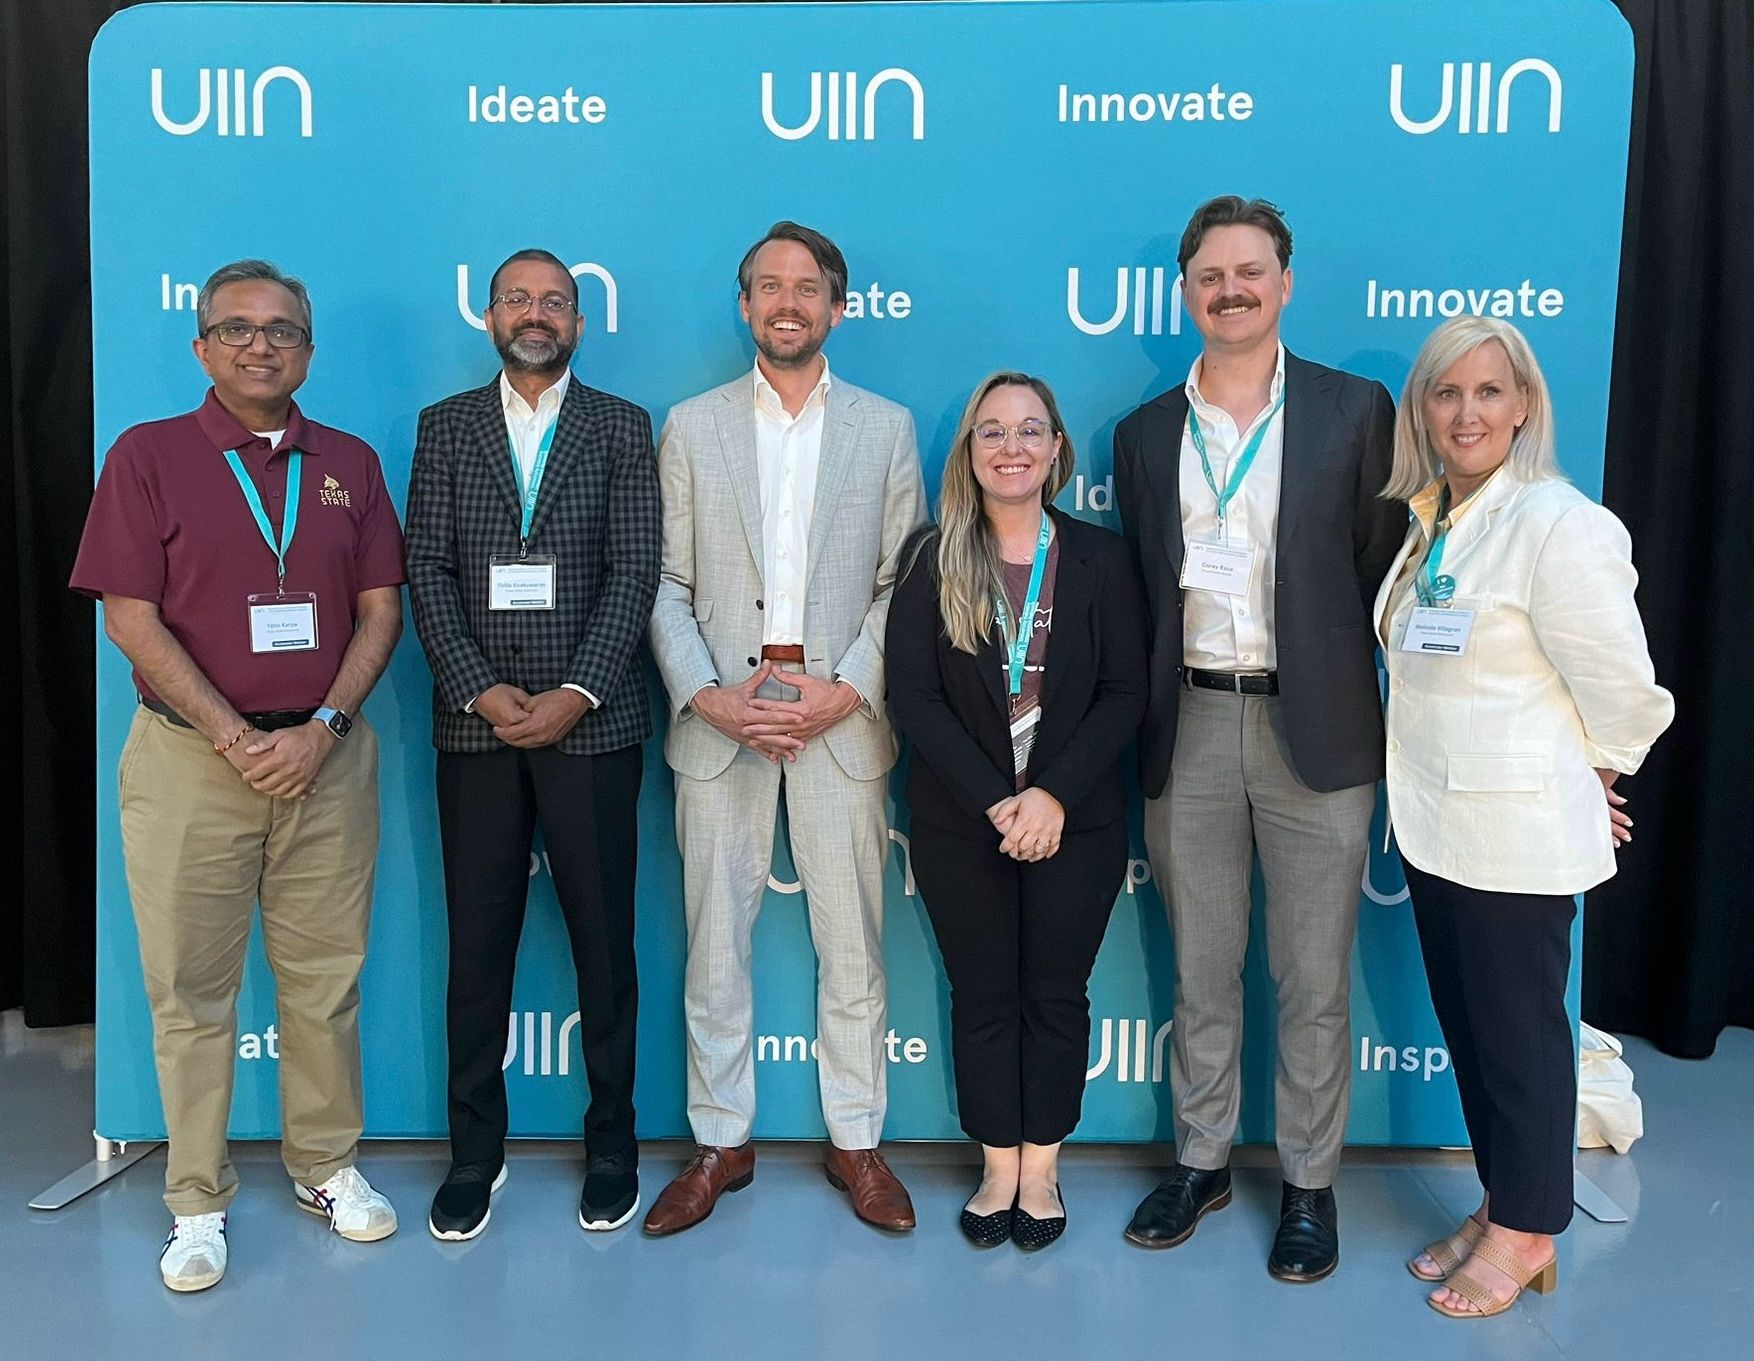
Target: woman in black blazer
point(1019, 841)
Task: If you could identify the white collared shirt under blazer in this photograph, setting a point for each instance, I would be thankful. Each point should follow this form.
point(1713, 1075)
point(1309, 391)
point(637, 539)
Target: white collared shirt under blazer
point(1491, 754)
point(1233, 632)
point(788, 450)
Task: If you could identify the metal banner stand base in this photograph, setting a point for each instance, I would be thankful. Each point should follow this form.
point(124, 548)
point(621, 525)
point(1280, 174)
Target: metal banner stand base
point(114, 1157)
point(1594, 1201)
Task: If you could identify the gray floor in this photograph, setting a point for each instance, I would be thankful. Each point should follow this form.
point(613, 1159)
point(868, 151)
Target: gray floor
point(783, 1270)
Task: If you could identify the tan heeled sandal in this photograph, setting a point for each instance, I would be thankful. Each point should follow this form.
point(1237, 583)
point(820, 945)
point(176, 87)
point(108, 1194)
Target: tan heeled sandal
point(1449, 1253)
point(1543, 1280)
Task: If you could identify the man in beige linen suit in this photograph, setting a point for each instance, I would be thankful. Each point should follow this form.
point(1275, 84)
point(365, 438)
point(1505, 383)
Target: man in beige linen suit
point(787, 495)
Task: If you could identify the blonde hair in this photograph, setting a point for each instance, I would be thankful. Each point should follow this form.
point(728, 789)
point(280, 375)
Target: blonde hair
point(1531, 457)
point(971, 575)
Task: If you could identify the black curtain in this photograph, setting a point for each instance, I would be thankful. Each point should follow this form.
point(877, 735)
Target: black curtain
point(1669, 942)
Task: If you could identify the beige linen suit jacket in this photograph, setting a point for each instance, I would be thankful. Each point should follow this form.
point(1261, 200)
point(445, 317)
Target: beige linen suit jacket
point(707, 625)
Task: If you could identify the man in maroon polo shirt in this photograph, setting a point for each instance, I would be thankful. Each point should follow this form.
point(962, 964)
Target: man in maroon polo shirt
point(250, 566)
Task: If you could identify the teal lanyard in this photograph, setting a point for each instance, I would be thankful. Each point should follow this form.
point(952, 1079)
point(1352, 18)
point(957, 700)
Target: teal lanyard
point(1242, 466)
point(529, 492)
point(289, 523)
point(1026, 620)
point(1429, 586)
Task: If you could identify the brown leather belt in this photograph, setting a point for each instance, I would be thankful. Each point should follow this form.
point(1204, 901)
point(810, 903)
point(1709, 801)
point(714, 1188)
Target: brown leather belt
point(783, 652)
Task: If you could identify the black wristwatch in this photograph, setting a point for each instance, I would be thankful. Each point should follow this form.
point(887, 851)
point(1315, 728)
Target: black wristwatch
point(334, 720)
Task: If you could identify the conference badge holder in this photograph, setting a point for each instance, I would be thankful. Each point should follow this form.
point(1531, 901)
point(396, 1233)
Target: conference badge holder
point(523, 582)
point(1438, 631)
point(1211, 565)
point(283, 621)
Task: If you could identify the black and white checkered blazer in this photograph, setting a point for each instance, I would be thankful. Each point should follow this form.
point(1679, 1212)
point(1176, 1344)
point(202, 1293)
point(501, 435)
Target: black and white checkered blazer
point(596, 512)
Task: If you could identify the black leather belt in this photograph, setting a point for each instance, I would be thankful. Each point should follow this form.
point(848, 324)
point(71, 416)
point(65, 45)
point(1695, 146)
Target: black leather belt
point(268, 722)
point(1237, 682)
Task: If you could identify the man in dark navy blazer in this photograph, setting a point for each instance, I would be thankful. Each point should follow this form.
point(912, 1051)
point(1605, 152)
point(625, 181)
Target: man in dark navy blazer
point(533, 546)
point(1249, 496)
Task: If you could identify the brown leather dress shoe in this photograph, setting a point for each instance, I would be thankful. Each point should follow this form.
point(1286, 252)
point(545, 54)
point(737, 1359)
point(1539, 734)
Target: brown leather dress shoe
point(878, 1196)
point(691, 1197)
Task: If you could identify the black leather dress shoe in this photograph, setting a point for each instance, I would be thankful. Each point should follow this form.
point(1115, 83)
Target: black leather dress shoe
point(465, 1202)
point(1170, 1214)
point(611, 1191)
point(1307, 1246)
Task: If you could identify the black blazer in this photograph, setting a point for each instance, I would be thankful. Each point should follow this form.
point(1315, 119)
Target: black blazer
point(953, 708)
point(1336, 539)
point(597, 512)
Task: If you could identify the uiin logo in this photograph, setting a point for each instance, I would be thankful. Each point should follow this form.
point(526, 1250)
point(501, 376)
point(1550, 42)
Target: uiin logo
point(1472, 102)
point(223, 97)
point(843, 106)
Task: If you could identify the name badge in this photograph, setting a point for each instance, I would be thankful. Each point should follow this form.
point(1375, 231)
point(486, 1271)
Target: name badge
point(521, 583)
point(283, 623)
point(1221, 567)
point(1438, 632)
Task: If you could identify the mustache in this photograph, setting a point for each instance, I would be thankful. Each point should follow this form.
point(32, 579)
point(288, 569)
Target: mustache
point(1233, 300)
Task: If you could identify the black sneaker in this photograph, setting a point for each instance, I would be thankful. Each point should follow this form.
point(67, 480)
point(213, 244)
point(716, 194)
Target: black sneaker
point(611, 1193)
point(463, 1204)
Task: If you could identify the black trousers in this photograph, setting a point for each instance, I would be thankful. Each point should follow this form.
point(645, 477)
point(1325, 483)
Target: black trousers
point(489, 804)
point(1497, 964)
point(1019, 941)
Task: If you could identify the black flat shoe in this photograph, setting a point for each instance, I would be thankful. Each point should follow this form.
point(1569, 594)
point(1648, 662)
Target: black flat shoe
point(1307, 1246)
point(1032, 1234)
point(1171, 1213)
point(985, 1231)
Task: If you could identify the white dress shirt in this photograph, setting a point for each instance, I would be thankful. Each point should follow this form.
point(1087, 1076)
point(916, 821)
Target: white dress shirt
point(1233, 632)
point(788, 453)
point(526, 425)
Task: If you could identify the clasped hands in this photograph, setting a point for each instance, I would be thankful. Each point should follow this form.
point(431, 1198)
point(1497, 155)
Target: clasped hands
point(1030, 823)
point(521, 719)
point(282, 764)
point(776, 729)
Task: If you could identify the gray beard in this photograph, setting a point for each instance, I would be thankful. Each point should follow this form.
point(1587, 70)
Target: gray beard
point(534, 352)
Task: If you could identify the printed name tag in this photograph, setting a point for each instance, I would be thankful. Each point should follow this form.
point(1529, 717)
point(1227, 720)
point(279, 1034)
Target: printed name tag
point(521, 583)
point(1220, 567)
point(1439, 633)
point(283, 623)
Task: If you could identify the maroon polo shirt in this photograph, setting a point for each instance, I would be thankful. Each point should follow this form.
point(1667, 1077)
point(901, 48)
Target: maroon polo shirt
point(170, 524)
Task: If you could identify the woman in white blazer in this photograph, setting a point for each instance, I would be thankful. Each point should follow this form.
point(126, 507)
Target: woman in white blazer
point(1520, 688)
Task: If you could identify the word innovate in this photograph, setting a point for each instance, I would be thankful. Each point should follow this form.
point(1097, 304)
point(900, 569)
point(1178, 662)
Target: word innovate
point(1154, 106)
point(1521, 301)
point(497, 106)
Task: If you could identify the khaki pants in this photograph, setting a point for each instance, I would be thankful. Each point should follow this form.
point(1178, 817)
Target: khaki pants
point(202, 848)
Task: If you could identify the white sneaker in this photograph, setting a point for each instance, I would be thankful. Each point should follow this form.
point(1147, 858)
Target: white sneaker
point(194, 1255)
point(354, 1210)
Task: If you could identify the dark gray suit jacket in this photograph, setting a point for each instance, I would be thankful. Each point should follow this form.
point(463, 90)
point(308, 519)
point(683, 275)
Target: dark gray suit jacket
point(1335, 540)
point(597, 512)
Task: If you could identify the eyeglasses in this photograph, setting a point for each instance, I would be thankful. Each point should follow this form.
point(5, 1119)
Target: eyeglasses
point(554, 304)
point(1030, 435)
point(282, 335)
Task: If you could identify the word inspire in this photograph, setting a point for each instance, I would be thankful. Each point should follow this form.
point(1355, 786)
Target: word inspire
point(1521, 301)
point(611, 296)
point(843, 105)
point(222, 99)
point(497, 106)
point(1157, 106)
point(1471, 115)
point(1385, 1058)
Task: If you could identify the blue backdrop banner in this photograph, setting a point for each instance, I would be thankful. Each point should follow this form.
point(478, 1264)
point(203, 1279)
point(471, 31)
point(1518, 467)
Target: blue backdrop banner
point(1009, 182)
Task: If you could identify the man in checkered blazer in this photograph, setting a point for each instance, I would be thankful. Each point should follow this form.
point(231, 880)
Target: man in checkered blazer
point(533, 545)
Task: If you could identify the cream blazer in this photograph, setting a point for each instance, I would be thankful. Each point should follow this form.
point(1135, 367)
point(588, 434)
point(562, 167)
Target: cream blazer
point(1490, 753)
